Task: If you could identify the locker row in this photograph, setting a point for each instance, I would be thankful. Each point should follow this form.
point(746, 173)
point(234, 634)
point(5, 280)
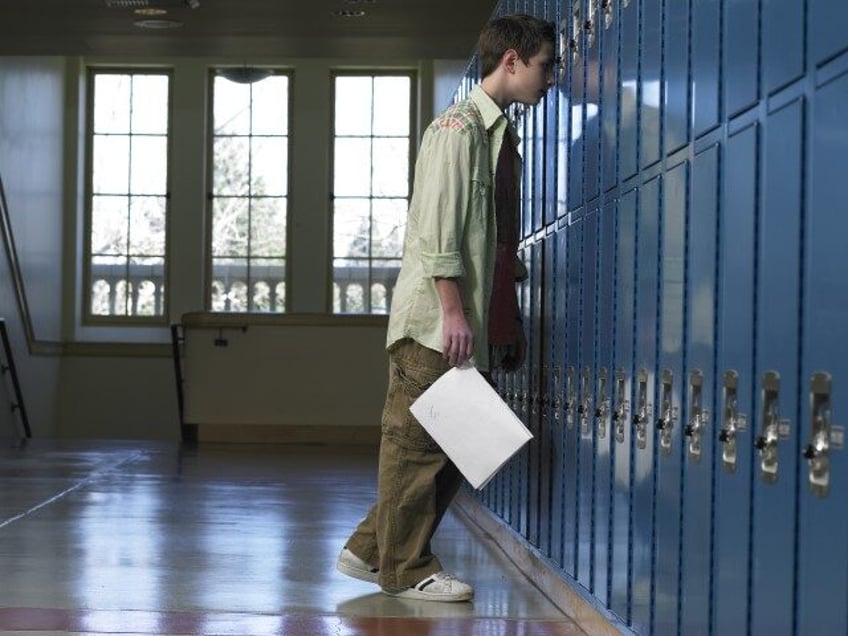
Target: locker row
point(687, 379)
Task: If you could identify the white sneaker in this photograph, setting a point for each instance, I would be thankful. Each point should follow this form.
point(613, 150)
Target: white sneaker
point(350, 564)
point(439, 587)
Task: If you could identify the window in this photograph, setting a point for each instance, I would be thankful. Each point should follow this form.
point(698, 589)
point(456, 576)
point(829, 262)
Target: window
point(249, 204)
point(128, 195)
point(372, 123)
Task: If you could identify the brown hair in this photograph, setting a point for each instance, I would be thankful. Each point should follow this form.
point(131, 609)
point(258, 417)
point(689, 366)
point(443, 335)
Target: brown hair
point(521, 32)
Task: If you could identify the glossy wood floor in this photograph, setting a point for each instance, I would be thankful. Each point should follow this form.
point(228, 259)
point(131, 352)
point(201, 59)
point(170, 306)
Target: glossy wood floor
point(145, 538)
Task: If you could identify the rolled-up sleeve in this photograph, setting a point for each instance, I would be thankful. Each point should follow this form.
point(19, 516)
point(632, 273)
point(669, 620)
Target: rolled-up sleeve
point(443, 186)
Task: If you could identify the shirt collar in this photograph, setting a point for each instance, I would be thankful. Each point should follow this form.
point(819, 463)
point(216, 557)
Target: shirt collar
point(491, 113)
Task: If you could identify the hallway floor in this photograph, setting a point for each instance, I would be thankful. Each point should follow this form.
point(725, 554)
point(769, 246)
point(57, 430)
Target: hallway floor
point(147, 538)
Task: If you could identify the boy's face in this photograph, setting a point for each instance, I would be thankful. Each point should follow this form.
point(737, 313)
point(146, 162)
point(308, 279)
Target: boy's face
point(533, 79)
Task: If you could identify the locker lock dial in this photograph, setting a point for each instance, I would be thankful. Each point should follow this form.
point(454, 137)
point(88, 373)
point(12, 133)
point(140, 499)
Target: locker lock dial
point(665, 422)
point(699, 416)
point(772, 428)
point(824, 437)
point(643, 409)
point(622, 404)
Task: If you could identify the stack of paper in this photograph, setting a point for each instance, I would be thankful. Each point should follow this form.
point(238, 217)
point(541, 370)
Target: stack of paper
point(473, 425)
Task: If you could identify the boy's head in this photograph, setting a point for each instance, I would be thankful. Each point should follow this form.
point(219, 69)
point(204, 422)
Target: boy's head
point(522, 33)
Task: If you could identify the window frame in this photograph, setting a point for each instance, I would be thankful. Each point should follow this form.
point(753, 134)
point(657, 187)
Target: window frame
point(414, 106)
point(209, 212)
point(88, 318)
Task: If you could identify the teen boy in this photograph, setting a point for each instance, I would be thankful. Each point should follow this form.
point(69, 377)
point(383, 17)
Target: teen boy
point(455, 302)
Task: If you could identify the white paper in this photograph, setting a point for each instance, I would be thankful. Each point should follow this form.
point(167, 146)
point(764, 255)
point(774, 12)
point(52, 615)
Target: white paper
point(473, 425)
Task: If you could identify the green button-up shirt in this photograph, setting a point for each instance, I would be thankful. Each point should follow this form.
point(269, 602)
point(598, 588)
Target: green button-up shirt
point(451, 229)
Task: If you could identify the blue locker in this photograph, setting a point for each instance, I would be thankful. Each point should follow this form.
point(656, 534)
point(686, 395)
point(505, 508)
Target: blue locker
point(561, 488)
point(705, 65)
point(563, 126)
point(609, 98)
point(604, 379)
point(587, 231)
point(576, 61)
point(741, 34)
point(547, 391)
point(823, 523)
point(776, 378)
point(571, 361)
point(783, 42)
point(551, 151)
point(536, 473)
point(698, 427)
point(669, 413)
point(828, 23)
point(642, 407)
point(735, 382)
point(650, 82)
point(622, 387)
point(629, 91)
point(539, 156)
point(524, 505)
point(592, 116)
point(527, 130)
point(676, 110)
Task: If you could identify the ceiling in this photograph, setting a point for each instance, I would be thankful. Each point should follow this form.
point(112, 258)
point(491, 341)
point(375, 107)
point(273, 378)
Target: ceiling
point(245, 29)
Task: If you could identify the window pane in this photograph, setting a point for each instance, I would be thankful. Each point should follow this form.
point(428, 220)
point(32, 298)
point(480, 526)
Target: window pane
point(268, 227)
point(388, 227)
point(150, 104)
point(111, 164)
point(268, 165)
point(232, 166)
point(232, 107)
point(271, 106)
point(149, 174)
point(111, 103)
point(109, 225)
point(230, 226)
point(352, 167)
point(351, 227)
point(391, 167)
point(147, 226)
point(353, 106)
point(391, 105)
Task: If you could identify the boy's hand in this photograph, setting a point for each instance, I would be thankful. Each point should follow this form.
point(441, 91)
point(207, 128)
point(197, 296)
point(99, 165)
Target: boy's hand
point(514, 358)
point(457, 339)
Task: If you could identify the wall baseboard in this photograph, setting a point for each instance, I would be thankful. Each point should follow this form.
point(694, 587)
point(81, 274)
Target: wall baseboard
point(579, 606)
point(284, 434)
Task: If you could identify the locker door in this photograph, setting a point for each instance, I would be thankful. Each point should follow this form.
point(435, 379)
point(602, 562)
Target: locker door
point(776, 408)
point(642, 408)
point(571, 387)
point(676, 75)
point(698, 427)
point(650, 82)
point(735, 382)
point(592, 114)
point(783, 44)
point(577, 91)
point(625, 303)
point(669, 412)
point(524, 505)
point(609, 98)
point(551, 138)
point(705, 65)
point(539, 156)
point(604, 376)
point(741, 34)
point(563, 110)
point(535, 473)
point(823, 523)
point(562, 487)
point(587, 231)
point(628, 93)
point(828, 23)
point(527, 130)
point(546, 436)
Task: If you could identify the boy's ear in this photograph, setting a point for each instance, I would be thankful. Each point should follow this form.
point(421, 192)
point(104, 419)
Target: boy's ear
point(509, 60)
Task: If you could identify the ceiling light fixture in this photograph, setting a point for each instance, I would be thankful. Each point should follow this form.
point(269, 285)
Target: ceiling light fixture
point(349, 13)
point(150, 11)
point(158, 24)
point(245, 74)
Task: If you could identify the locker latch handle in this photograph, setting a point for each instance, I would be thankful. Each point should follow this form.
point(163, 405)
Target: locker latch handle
point(622, 405)
point(557, 405)
point(734, 421)
point(585, 406)
point(668, 413)
point(699, 416)
point(643, 409)
point(824, 436)
point(603, 403)
point(570, 396)
point(770, 432)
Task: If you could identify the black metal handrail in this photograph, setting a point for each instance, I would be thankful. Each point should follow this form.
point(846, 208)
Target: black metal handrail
point(18, 404)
